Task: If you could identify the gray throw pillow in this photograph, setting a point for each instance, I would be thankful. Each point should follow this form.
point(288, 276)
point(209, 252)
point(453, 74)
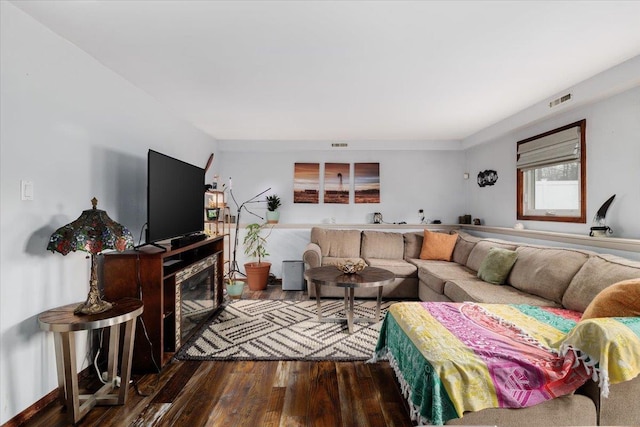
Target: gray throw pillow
point(496, 265)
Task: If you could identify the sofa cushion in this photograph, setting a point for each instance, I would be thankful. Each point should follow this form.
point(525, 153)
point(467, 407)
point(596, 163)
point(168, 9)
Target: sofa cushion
point(399, 267)
point(477, 290)
point(438, 246)
point(596, 274)
point(571, 409)
point(331, 260)
point(425, 293)
point(546, 271)
point(337, 243)
point(413, 244)
point(621, 299)
point(464, 246)
point(616, 410)
point(380, 244)
point(435, 273)
point(481, 249)
point(496, 265)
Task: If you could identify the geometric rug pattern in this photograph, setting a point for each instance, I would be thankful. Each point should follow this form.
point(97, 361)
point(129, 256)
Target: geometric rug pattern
point(285, 330)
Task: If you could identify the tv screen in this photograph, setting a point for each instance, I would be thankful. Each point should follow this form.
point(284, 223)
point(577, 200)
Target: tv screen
point(175, 198)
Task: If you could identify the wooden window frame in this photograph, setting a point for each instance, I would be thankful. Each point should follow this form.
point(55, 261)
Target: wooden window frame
point(583, 180)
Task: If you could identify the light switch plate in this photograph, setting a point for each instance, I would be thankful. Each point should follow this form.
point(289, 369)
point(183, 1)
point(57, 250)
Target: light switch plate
point(26, 190)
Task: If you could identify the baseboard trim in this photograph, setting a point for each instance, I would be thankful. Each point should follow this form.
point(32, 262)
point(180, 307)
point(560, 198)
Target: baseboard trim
point(38, 406)
point(32, 410)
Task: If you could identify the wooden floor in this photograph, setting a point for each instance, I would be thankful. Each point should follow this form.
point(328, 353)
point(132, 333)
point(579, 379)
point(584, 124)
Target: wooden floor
point(286, 393)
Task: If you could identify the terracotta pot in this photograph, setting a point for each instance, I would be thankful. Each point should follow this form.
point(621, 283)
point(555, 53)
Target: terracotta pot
point(257, 275)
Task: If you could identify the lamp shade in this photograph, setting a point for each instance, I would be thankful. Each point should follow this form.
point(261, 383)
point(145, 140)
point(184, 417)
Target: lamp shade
point(92, 232)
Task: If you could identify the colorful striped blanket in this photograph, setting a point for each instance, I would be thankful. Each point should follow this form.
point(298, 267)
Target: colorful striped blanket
point(456, 357)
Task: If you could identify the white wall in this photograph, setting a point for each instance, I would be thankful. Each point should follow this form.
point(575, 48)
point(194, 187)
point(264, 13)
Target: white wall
point(613, 167)
point(76, 130)
point(409, 181)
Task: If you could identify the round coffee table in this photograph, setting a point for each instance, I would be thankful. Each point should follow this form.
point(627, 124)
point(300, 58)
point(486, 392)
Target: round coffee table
point(368, 278)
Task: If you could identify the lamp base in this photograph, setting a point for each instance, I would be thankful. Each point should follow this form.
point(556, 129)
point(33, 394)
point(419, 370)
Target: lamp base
point(93, 307)
point(94, 303)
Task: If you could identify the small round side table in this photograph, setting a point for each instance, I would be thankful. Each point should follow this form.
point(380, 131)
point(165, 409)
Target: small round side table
point(63, 323)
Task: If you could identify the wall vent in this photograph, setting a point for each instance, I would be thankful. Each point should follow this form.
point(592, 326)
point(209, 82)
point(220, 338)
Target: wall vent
point(339, 144)
point(560, 100)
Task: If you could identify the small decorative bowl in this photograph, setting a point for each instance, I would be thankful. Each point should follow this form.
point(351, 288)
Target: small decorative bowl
point(351, 267)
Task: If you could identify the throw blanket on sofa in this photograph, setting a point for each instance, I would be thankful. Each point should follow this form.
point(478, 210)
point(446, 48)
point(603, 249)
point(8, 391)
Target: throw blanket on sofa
point(609, 346)
point(457, 357)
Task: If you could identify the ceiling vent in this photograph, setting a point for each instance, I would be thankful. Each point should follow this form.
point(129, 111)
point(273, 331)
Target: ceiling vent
point(339, 145)
point(559, 101)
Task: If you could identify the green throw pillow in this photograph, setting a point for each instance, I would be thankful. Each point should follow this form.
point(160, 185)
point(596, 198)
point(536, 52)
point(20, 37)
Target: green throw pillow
point(496, 265)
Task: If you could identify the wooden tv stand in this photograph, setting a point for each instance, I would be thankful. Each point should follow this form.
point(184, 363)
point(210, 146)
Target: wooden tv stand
point(149, 273)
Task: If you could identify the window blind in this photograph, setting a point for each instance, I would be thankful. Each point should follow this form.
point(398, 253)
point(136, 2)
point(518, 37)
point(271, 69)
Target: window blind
point(557, 148)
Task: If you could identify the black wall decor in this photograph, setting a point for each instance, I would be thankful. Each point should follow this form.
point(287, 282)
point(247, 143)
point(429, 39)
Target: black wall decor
point(487, 177)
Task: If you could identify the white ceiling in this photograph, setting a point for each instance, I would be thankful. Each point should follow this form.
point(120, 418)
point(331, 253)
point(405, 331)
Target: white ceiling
point(348, 70)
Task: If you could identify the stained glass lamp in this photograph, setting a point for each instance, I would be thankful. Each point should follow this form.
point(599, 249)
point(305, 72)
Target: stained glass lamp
point(92, 232)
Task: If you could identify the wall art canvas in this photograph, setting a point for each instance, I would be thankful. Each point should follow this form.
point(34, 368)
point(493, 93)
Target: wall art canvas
point(336, 182)
point(306, 183)
point(367, 182)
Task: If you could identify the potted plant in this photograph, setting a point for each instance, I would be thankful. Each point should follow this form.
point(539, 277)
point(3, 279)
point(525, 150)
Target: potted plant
point(234, 287)
point(255, 247)
point(273, 203)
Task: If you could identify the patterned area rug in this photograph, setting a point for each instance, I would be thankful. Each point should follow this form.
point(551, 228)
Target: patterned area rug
point(285, 330)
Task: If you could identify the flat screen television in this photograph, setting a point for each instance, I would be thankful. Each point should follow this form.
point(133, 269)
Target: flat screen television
point(175, 198)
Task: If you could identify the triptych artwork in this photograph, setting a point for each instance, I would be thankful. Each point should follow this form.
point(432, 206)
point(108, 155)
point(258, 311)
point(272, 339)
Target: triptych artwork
point(337, 183)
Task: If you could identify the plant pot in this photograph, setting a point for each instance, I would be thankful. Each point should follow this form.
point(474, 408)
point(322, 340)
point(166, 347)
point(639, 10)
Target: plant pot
point(257, 275)
point(235, 288)
point(273, 217)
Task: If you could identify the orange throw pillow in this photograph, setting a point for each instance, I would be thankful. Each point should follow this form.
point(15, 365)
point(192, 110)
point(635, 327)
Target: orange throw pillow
point(438, 246)
point(621, 299)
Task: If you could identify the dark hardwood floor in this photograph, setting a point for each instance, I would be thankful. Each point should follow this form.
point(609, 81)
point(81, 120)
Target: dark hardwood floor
point(278, 393)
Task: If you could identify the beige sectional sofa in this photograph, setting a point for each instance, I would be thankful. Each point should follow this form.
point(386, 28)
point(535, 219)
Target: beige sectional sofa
point(541, 275)
point(388, 250)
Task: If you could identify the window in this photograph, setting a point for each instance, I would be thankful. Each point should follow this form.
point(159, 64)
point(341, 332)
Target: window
point(552, 175)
